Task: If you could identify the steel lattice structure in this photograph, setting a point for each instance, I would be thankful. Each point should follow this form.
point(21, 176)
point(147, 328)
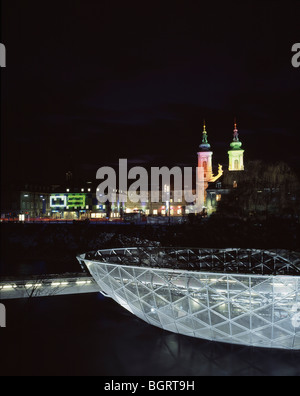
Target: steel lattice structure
point(240, 296)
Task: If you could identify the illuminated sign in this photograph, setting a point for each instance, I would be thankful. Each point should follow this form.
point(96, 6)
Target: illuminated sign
point(68, 201)
point(58, 201)
point(76, 201)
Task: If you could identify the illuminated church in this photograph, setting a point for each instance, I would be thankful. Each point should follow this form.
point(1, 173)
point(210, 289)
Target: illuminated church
point(214, 185)
point(81, 202)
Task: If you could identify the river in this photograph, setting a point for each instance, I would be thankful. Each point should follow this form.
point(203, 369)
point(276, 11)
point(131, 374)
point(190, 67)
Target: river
point(89, 335)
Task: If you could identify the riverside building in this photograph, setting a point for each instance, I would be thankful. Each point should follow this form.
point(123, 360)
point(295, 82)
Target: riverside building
point(71, 202)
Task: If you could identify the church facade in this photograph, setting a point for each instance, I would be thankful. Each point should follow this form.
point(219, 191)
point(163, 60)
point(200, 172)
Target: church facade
point(213, 185)
point(226, 179)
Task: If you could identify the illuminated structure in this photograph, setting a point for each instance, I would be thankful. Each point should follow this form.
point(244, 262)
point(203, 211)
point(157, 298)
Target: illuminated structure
point(205, 162)
point(205, 156)
point(76, 203)
point(73, 202)
point(225, 182)
point(239, 296)
point(236, 154)
point(68, 201)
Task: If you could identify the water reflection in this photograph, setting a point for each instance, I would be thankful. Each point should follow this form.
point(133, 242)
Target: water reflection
point(164, 353)
point(92, 335)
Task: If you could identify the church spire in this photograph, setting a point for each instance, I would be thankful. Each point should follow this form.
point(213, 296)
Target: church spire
point(236, 144)
point(205, 156)
point(236, 153)
point(204, 136)
point(235, 132)
point(204, 146)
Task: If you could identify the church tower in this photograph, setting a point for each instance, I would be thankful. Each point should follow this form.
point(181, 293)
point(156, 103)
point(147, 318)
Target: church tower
point(236, 154)
point(205, 156)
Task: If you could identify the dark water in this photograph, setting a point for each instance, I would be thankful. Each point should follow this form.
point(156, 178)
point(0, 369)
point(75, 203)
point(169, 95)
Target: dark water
point(91, 335)
point(23, 267)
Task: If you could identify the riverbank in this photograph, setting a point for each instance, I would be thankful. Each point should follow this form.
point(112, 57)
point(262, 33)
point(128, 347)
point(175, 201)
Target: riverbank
point(28, 249)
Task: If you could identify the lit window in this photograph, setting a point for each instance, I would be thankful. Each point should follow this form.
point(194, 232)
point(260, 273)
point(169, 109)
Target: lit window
point(235, 184)
point(218, 197)
point(155, 211)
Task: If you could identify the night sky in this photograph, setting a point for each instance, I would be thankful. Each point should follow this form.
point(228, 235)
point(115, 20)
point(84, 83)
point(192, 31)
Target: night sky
point(89, 82)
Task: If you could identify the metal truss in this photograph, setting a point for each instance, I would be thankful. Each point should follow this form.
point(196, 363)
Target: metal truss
point(229, 260)
point(239, 296)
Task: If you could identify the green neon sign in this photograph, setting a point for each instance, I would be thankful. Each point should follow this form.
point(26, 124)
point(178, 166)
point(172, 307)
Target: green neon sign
point(76, 201)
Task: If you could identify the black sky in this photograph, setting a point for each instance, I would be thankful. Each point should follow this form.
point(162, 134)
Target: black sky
point(89, 82)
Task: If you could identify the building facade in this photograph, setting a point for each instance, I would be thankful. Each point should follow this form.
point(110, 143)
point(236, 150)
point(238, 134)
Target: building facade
point(227, 179)
point(72, 202)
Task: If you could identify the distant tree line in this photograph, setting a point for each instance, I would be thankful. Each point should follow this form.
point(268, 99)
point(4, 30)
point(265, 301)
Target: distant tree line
point(264, 190)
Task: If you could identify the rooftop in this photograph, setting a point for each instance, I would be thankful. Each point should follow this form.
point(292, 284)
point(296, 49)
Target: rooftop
point(227, 261)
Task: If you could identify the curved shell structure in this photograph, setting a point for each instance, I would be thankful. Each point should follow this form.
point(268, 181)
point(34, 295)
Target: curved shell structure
point(248, 297)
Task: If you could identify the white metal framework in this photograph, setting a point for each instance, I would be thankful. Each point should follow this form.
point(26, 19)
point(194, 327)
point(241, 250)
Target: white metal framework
point(240, 296)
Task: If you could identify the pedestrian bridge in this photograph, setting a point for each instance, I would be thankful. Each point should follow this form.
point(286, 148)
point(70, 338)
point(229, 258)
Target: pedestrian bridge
point(46, 285)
